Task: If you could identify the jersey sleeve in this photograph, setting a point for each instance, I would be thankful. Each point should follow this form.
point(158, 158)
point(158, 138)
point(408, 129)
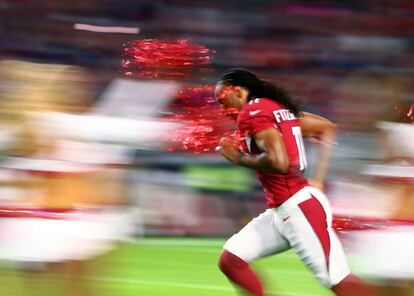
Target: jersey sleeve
point(256, 117)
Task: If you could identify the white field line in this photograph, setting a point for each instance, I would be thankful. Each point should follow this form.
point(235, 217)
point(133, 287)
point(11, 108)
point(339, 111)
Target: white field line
point(183, 285)
point(186, 250)
point(179, 242)
point(287, 255)
point(172, 243)
point(278, 271)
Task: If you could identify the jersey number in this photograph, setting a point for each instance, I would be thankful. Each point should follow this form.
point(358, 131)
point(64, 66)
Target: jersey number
point(301, 148)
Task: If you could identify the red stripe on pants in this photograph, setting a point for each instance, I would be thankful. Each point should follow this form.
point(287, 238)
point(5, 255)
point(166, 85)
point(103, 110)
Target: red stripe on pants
point(315, 214)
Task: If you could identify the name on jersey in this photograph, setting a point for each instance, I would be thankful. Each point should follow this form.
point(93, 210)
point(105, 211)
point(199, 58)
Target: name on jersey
point(283, 115)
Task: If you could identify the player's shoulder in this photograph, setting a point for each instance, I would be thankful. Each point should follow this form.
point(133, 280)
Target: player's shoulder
point(263, 104)
point(259, 107)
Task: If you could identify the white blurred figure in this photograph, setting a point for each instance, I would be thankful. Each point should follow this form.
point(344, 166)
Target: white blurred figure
point(70, 206)
point(386, 254)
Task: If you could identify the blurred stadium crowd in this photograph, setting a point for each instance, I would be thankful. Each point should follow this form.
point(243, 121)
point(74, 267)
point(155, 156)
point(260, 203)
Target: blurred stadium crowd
point(80, 138)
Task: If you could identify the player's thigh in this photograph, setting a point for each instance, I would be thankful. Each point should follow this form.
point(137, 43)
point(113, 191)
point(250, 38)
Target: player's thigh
point(257, 239)
point(309, 232)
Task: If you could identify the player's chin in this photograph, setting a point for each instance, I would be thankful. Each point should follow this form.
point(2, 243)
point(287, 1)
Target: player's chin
point(231, 113)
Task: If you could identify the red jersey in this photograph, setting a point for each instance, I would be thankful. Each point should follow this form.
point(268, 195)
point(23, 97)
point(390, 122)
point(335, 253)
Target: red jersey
point(261, 114)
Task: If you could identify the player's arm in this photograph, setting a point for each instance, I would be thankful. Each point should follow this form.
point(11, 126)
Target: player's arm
point(323, 130)
point(272, 159)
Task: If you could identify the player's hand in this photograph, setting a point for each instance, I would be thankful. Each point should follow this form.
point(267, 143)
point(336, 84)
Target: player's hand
point(229, 148)
point(316, 183)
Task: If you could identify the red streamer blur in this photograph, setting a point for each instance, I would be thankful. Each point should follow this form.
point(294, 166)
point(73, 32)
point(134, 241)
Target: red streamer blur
point(162, 59)
point(405, 112)
point(203, 122)
point(344, 225)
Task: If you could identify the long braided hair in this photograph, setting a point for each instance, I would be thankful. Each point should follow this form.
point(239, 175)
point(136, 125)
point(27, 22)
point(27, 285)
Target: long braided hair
point(259, 88)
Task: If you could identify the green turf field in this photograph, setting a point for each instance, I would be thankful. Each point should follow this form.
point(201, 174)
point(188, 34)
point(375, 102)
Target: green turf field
point(169, 266)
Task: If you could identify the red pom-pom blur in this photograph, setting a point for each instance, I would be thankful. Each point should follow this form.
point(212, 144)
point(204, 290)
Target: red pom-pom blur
point(162, 59)
point(203, 122)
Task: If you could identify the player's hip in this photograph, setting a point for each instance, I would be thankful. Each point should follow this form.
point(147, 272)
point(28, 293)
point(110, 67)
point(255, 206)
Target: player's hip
point(306, 199)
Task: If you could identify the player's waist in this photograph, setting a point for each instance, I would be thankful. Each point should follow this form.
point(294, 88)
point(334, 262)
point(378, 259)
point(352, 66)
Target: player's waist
point(275, 198)
point(281, 181)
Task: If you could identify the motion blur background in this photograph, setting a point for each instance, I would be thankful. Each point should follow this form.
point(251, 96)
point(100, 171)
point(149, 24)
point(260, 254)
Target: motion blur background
point(76, 132)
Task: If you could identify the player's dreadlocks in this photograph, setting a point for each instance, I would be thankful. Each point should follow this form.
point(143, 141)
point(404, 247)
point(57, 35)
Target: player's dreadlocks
point(259, 88)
